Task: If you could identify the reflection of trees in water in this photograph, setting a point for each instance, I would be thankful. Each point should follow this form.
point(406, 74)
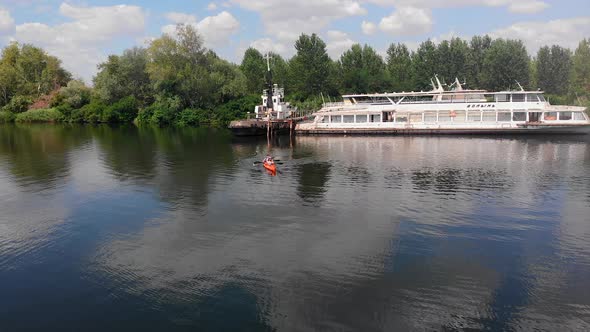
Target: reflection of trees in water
point(393, 178)
point(357, 176)
point(188, 159)
point(40, 152)
point(128, 151)
point(313, 178)
point(449, 181)
point(180, 161)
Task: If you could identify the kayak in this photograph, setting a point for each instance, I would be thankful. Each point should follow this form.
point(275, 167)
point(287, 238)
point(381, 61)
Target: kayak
point(270, 167)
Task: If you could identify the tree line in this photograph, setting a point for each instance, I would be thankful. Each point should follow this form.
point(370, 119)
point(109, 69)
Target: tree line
point(175, 80)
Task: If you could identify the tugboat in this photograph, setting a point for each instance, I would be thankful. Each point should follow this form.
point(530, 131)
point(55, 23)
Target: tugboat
point(273, 114)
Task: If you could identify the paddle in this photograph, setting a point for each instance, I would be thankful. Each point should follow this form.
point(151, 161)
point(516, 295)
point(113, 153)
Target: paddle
point(260, 162)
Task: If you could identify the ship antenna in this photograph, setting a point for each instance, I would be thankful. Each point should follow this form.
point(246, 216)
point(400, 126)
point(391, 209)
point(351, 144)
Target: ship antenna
point(520, 86)
point(440, 88)
point(269, 102)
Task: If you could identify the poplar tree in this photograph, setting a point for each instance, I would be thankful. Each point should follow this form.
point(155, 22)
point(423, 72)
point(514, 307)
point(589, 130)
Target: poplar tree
point(505, 63)
point(580, 79)
point(399, 66)
point(310, 68)
point(362, 70)
point(553, 69)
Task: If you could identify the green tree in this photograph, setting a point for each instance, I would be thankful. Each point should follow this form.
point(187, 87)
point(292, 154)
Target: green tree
point(182, 67)
point(311, 68)
point(125, 75)
point(580, 79)
point(75, 94)
point(505, 63)
point(29, 72)
point(254, 68)
point(280, 70)
point(399, 66)
point(451, 59)
point(553, 69)
point(425, 64)
point(478, 47)
point(362, 70)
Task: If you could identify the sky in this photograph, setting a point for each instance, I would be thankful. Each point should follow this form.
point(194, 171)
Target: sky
point(83, 33)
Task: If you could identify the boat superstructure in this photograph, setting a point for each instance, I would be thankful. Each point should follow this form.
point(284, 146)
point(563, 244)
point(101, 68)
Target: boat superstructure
point(272, 116)
point(441, 111)
point(273, 105)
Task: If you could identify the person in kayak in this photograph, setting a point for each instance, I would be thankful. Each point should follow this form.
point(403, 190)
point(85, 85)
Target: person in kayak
point(268, 160)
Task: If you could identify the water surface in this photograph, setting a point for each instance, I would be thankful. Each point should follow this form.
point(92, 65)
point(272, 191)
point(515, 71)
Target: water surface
point(154, 229)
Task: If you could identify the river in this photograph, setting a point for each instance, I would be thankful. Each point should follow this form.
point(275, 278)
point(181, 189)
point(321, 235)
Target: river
point(119, 229)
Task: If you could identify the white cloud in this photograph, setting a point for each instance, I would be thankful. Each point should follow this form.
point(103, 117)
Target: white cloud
point(78, 42)
point(211, 6)
point(215, 30)
point(521, 7)
point(176, 17)
point(338, 42)
point(287, 20)
point(265, 45)
point(564, 32)
point(527, 7)
point(406, 21)
point(6, 22)
point(368, 28)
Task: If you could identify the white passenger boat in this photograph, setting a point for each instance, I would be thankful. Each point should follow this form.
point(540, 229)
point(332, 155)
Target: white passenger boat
point(455, 111)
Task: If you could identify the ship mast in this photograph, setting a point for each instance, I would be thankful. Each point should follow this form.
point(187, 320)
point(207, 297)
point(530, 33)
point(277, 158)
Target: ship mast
point(269, 93)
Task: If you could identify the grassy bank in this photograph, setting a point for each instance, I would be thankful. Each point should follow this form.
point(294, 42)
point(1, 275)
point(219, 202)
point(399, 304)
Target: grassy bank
point(163, 112)
point(50, 115)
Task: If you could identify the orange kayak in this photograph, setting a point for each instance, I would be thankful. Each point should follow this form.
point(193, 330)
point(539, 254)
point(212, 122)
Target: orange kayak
point(270, 167)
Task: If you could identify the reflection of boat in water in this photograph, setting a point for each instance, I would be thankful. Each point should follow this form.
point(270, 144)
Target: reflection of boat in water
point(458, 111)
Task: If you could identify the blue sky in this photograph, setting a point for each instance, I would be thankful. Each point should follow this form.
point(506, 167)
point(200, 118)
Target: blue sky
point(83, 33)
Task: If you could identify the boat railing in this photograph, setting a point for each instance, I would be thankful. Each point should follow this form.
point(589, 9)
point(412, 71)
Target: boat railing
point(334, 104)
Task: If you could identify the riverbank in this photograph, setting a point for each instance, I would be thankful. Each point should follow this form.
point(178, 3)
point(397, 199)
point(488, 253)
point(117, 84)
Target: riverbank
point(165, 112)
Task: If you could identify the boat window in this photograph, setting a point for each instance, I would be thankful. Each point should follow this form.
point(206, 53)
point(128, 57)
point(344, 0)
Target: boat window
point(360, 118)
point(541, 98)
point(348, 118)
point(444, 116)
point(504, 116)
point(324, 119)
point(401, 118)
point(429, 116)
point(387, 116)
point(565, 115)
point(489, 98)
point(375, 117)
point(416, 117)
point(549, 116)
point(336, 118)
point(532, 98)
point(518, 98)
point(459, 116)
point(502, 98)
point(476, 98)
point(474, 116)
point(519, 116)
point(579, 116)
point(489, 116)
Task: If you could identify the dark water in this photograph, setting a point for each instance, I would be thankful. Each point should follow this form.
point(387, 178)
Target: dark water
point(121, 229)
